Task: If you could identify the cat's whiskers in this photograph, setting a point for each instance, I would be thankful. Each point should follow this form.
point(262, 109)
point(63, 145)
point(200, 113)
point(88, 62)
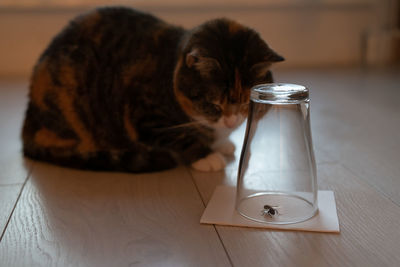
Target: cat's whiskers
point(188, 124)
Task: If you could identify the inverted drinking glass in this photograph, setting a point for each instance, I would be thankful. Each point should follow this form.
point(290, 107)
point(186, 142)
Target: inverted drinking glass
point(277, 182)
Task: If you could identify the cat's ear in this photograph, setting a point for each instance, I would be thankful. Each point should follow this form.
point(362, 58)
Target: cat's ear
point(273, 57)
point(201, 63)
point(261, 70)
point(191, 58)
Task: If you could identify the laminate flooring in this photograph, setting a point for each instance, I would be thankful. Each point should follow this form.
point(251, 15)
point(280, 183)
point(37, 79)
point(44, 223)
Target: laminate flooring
point(54, 216)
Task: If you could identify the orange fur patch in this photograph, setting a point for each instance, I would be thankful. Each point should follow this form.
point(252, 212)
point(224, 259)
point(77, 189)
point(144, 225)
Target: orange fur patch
point(41, 83)
point(244, 109)
point(66, 103)
point(237, 90)
point(234, 27)
point(143, 68)
point(91, 19)
point(46, 138)
point(245, 95)
point(128, 125)
point(185, 103)
point(159, 32)
point(228, 110)
point(67, 76)
point(88, 22)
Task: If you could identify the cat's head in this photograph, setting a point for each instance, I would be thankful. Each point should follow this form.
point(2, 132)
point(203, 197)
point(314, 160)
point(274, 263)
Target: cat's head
point(219, 62)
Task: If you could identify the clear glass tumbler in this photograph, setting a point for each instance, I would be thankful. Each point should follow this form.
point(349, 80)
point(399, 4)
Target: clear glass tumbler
point(277, 180)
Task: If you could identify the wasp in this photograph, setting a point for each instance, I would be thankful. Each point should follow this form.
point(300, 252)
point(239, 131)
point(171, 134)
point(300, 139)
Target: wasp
point(271, 211)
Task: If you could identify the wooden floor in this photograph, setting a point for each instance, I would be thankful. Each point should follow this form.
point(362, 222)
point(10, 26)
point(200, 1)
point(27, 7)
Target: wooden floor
point(52, 216)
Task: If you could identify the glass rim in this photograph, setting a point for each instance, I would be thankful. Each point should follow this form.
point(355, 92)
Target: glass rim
point(279, 93)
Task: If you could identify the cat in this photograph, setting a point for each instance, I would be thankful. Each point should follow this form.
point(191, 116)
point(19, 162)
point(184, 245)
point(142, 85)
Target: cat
point(121, 90)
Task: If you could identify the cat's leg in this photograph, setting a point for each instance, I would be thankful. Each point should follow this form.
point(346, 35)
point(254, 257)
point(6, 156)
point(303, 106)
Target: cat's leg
point(201, 156)
point(194, 148)
point(222, 143)
point(144, 159)
point(215, 160)
point(46, 134)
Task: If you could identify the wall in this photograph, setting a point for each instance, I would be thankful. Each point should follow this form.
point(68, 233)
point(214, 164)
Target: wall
point(307, 33)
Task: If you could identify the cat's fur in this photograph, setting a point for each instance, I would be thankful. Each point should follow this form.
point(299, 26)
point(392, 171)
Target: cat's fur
point(118, 89)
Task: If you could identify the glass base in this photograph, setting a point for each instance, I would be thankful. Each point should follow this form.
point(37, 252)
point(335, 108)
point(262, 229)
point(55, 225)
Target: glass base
point(276, 208)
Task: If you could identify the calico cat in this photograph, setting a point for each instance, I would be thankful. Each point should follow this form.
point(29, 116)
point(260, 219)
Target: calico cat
point(122, 90)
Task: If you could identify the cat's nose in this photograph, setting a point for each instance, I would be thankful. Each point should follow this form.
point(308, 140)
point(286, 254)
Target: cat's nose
point(231, 121)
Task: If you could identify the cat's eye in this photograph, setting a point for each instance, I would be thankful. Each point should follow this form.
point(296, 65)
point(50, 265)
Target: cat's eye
point(216, 108)
point(212, 109)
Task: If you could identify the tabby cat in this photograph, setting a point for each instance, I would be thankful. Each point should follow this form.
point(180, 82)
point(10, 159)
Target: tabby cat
point(122, 90)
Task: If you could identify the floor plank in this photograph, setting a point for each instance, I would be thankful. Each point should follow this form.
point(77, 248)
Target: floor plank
point(369, 231)
point(8, 197)
point(355, 119)
point(83, 218)
point(13, 168)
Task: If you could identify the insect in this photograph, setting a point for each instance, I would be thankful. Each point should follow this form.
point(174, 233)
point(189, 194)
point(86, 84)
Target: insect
point(271, 211)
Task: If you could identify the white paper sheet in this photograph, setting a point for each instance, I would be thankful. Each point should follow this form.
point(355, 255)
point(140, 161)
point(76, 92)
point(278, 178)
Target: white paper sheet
point(221, 210)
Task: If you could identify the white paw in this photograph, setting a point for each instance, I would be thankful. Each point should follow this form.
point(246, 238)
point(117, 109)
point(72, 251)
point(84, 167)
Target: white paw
point(226, 148)
point(212, 162)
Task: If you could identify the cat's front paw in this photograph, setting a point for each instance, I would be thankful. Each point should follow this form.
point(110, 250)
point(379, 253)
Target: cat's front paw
point(212, 162)
point(227, 148)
